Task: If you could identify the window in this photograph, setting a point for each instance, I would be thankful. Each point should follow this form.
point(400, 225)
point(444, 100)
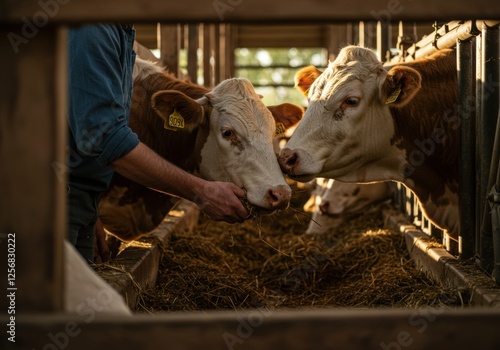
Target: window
point(272, 70)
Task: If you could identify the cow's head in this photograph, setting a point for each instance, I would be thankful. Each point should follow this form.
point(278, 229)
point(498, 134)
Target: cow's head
point(347, 129)
point(239, 145)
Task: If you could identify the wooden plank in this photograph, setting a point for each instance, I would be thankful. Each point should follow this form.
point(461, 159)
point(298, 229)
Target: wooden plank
point(217, 54)
point(192, 52)
point(221, 62)
point(136, 267)
point(33, 173)
point(266, 330)
point(147, 34)
point(255, 36)
point(208, 50)
point(336, 39)
point(384, 40)
point(169, 44)
point(217, 11)
point(443, 268)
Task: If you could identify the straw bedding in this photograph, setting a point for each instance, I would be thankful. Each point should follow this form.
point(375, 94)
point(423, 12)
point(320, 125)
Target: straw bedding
point(269, 262)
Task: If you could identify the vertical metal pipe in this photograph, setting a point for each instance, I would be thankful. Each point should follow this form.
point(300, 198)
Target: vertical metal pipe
point(494, 202)
point(489, 97)
point(467, 184)
point(479, 107)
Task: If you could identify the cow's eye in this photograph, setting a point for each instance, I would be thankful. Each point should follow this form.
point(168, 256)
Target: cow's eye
point(227, 133)
point(351, 101)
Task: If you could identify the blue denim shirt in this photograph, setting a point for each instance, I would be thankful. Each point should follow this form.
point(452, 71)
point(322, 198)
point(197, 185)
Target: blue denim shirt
point(101, 61)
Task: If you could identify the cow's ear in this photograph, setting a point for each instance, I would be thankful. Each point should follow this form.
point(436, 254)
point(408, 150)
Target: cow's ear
point(286, 115)
point(179, 112)
point(400, 86)
point(305, 77)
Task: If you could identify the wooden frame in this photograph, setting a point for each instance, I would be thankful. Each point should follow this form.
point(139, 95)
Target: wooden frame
point(77, 11)
point(32, 204)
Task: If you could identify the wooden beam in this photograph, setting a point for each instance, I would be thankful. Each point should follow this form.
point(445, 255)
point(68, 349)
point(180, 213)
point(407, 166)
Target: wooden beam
point(169, 44)
point(384, 40)
point(338, 37)
point(192, 51)
point(33, 110)
point(266, 330)
point(59, 11)
point(221, 62)
point(208, 50)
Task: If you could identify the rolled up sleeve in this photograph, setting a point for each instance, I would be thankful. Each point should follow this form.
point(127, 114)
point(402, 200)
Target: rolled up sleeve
point(100, 92)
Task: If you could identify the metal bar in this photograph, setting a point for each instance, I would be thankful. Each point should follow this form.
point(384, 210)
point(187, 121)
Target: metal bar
point(467, 184)
point(490, 96)
point(448, 40)
point(479, 107)
point(494, 199)
point(494, 203)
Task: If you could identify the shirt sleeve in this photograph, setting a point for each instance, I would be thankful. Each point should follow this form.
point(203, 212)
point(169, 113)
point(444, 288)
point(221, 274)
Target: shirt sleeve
point(100, 88)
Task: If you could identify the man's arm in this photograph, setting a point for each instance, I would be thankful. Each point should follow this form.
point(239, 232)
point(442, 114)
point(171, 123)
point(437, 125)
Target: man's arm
point(219, 200)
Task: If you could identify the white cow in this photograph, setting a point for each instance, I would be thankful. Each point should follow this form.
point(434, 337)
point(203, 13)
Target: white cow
point(333, 203)
point(367, 123)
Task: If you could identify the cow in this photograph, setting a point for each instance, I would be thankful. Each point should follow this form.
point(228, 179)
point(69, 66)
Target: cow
point(367, 122)
point(333, 203)
point(223, 134)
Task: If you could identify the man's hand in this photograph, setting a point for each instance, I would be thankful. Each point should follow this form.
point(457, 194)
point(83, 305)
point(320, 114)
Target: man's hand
point(221, 201)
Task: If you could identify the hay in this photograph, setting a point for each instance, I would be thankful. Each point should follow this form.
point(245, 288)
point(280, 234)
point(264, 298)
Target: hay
point(268, 262)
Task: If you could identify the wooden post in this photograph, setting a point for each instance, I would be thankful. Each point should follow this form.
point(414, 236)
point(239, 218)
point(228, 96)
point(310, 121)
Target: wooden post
point(217, 54)
point(169, 44)
point(208, 64)
point(383, 40)
point(229, 52)
point(192, 52)
point(222, 52)
point(33, 105)
point(338, 36)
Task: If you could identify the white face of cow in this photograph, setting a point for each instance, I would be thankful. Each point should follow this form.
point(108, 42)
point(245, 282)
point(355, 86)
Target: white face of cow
point(239, 147)
point(347, 129)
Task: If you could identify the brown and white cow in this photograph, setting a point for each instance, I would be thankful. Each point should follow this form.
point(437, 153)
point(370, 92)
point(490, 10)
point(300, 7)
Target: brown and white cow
point(368, 123)
point(223, 134)
point(333, 203)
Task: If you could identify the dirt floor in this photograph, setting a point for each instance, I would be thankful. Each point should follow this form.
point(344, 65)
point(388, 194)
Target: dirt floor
point(269, 262)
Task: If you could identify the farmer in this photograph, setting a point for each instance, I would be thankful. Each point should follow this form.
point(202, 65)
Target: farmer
point(101, 61)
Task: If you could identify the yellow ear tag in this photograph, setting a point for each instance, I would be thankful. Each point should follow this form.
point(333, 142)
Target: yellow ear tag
point(280, 129)
point(306, 93)
point(394, 96)
point(175, 121)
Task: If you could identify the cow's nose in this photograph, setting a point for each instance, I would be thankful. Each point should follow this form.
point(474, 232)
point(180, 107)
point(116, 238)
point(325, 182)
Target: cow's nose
point(279, 197)
point(287, 160)
point(323, 207)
